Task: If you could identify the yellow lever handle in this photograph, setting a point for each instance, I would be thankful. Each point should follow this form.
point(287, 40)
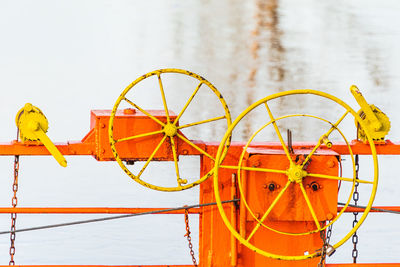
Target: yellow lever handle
point(366, 108)
point(41, 135)
point(33, 126)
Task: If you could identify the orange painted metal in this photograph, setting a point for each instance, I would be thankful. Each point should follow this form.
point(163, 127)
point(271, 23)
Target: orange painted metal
point(93, 210)
point(364, 264)
point(292, 206)
point(127, 125)
point(98, 265)
point(353, 209)
point(217, 245)
point(327, 265)
point(107, 210)
point(96, 142)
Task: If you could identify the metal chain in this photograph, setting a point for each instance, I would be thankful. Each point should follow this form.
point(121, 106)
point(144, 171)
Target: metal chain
point(356, 197)
point(326, 248)
point(14, 202)
point(323, 249)
point(189, 238)
point(328, 234)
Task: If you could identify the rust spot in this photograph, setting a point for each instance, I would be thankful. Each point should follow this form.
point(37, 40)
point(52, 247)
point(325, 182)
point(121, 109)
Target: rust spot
point(129, 111)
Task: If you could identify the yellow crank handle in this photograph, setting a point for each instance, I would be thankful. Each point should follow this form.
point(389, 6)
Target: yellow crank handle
point(41, 135)
point(377, 125)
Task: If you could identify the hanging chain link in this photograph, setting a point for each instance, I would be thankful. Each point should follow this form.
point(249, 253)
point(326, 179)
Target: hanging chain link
point(14, 203)
point(189, 239)
point(356, 197)
point(323, 249)
point(326, 248)
point(328, 234)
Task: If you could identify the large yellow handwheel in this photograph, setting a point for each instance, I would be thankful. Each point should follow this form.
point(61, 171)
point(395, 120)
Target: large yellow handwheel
point(296, 173)
point(169, 130)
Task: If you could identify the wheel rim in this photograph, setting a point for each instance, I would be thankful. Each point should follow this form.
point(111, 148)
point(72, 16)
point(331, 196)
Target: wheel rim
point(170, 129)
point(220, 159)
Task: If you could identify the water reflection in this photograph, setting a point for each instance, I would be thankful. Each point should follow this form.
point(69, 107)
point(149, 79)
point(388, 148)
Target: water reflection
point(267, 54)
point(248, 49)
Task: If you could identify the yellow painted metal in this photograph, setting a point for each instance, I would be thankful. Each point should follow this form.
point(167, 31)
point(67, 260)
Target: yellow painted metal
point(377, 122)
point(279, 134)
point(296, 173)
point(33, 125)
point(327, 142)
point(334, 126)
point(268, 211)
point(324, 138)
point(309, 205)
point(240, 167)
point(169, 129)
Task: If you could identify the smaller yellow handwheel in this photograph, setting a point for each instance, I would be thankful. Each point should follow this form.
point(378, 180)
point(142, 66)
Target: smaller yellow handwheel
point(170, 131)
point(295, 174)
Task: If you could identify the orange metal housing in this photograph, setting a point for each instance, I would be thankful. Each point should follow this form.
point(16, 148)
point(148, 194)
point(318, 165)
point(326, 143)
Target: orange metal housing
point(127, 124)
point(291, 214)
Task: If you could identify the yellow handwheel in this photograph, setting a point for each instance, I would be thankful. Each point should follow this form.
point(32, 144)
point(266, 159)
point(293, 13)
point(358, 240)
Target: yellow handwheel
point(169, 130)
point(295, 174)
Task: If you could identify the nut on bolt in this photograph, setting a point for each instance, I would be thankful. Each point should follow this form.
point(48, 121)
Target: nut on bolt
point(271, 186)
point(315, 186)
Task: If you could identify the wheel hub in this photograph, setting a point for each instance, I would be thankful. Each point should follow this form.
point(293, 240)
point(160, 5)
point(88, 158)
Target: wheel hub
point(296, 174)
point(170, 130)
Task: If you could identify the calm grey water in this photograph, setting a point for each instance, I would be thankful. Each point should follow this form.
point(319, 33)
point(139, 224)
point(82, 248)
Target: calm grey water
point(68, 57)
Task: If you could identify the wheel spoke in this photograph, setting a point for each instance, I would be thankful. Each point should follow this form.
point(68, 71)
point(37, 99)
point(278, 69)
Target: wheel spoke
point(268, 211)
point(324, 176)
point(163, 96)
point(187, 103)
point(145, 112)
point(252, 169)
point(201, 122)
point(309, 205)
point(178, 178)
point(139, 136)
point(194, 146)
point(326, 135)
point(151, 157)
point(279, 134)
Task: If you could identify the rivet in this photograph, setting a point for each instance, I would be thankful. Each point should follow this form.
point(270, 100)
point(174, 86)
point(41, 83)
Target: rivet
point(256, 163)
point(330, 164)
point(265, 186)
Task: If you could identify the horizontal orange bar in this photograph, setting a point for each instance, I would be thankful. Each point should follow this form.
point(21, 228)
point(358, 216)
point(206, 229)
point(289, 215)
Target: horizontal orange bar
point(38, 149)
point(100, 210)
point(88, 148)
point(167, 265)
point(363, 264)
point(387, 148)
point(106, 210)
point(374, 209)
